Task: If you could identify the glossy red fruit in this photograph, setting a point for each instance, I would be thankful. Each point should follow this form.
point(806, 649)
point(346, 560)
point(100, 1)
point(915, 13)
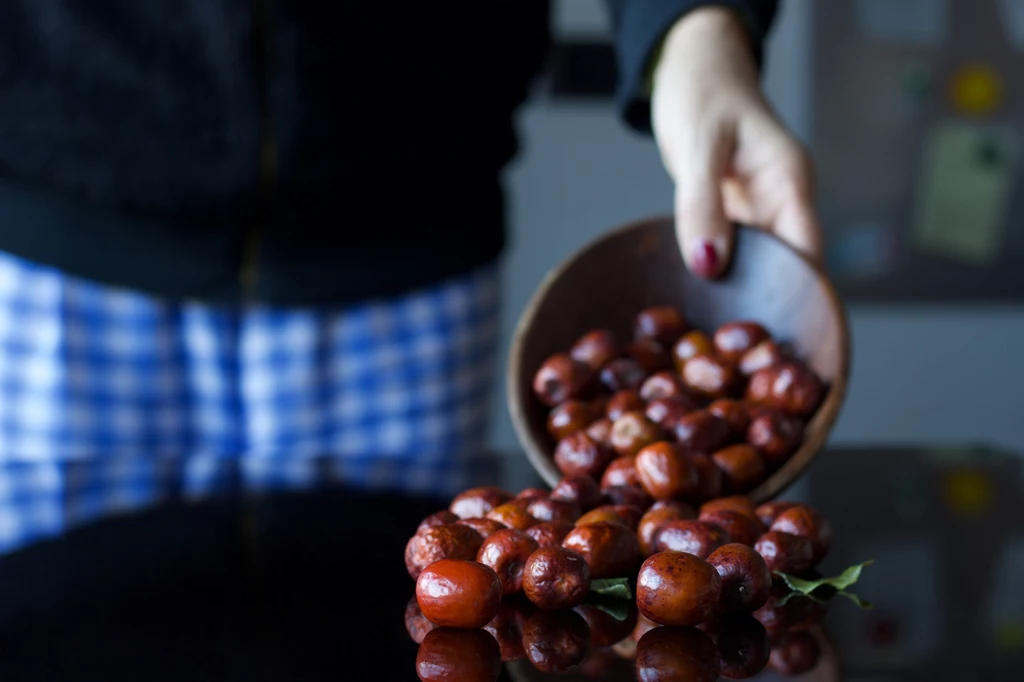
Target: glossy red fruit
point(451, 541)
point(746, 580)
point(595, 349)
point(677, 588)
point(581, 489)
point(665, 471)
point(785, 553)
point(556, 578)
point(458, 594)
point(561, 378)
point(690, 536)
point(476, 502)
point(806, 522)
point(506, 553)
point(742, 528)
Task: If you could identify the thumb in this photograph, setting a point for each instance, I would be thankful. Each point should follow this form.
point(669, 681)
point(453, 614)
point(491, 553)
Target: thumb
point(704, 232)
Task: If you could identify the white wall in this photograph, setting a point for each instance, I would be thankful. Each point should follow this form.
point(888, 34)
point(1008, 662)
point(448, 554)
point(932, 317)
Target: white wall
point(920, 375)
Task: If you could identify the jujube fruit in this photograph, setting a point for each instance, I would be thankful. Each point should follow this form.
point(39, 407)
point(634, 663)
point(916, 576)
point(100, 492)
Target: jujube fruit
point(769, 511)
point(569, 417)
point(506, 553)
point(665, 412)
point(665, 471)
point(701, 431)
point(622, 373)
point(804, 521)
point(621, 402)
point(621, 471)
point(633, 431)
point(785, 553)
point(436, 519)
point(610, 550)
point(581, 489)
point(549, 533)
point(513, 514)
point(766, 354)
point(451, 541)
point(746, 580)
point(709, 376)
point(740, 503)
point(733, 339)
point(556, 578)
point(652, 521)
point(561, 378)
point(741, 528)
point(691, 344)
point(775, 435)
point(743, 467)
point(476, 502)
point(735, 415)
point(650, 355)
point(629, 495)
point(580, 454)
point(459, 594)
point(664, 384)
point(676, 588)
point(546, 509)
point(600, 432)
point(595, 349)
point(486, 527)
point(663, 324)
point(688, 535)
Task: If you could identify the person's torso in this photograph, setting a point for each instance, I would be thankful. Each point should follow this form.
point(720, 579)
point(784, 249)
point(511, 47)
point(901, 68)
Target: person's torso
point(289, 117)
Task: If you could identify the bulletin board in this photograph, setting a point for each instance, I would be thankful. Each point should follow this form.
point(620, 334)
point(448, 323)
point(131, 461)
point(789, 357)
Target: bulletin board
point(918, 137)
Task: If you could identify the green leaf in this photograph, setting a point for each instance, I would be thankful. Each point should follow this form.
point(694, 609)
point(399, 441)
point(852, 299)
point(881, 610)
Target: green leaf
point(826, 588)
point(616, 588)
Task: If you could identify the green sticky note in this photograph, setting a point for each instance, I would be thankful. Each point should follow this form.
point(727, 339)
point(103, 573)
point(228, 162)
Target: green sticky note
point(965, 185)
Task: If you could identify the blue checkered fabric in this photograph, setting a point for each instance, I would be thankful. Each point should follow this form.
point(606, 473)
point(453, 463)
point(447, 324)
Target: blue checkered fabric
point(111, 401)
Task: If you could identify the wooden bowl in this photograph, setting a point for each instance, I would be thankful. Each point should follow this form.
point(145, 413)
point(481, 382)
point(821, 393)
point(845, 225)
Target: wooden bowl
point(609, 280)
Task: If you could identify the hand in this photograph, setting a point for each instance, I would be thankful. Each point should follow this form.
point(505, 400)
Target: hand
point(731, 158)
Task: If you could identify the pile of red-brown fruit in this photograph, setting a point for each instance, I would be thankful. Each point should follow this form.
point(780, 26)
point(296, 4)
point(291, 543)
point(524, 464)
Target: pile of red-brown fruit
point(683, 414)
point(542, 553)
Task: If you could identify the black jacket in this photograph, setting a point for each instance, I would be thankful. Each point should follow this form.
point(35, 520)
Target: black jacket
point(294, 151)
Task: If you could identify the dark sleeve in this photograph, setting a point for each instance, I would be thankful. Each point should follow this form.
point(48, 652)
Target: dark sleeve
point(639, 27)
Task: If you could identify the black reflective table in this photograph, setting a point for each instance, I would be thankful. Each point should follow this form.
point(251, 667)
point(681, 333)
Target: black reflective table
point(313, 587)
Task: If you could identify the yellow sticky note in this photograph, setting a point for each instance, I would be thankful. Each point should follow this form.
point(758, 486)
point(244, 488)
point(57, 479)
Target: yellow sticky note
point(1009, 635)
point(965, 184)
point(976, 89)
point(968, 492)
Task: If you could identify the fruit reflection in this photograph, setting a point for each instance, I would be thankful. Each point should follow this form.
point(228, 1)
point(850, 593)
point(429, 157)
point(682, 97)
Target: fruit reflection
point(455, 655)
point(612, 641)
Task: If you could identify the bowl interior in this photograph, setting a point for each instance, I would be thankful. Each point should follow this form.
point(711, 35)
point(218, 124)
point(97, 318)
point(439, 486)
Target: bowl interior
point(610, 279)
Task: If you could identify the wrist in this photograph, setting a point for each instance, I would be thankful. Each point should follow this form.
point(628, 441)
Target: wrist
point(713, 38)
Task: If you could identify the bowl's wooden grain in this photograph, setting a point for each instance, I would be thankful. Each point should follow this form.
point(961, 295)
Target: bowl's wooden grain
point(605, 283)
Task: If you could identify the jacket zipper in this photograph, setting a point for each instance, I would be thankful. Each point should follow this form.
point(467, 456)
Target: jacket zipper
point(249, 273)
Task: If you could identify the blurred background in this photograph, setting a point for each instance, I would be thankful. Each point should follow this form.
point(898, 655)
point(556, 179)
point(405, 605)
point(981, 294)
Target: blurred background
point(913, 118)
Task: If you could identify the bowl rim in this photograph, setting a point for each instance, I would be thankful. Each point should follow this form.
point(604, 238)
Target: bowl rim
point(819, 427)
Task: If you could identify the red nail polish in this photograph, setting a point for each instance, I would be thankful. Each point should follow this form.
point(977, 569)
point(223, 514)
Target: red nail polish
point(705, 258)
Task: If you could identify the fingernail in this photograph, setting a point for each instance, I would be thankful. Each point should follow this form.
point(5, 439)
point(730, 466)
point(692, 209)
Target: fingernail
point(705, 258)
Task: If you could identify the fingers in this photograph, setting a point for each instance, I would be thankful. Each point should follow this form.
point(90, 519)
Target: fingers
point(794, 218)
point(703, 229)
